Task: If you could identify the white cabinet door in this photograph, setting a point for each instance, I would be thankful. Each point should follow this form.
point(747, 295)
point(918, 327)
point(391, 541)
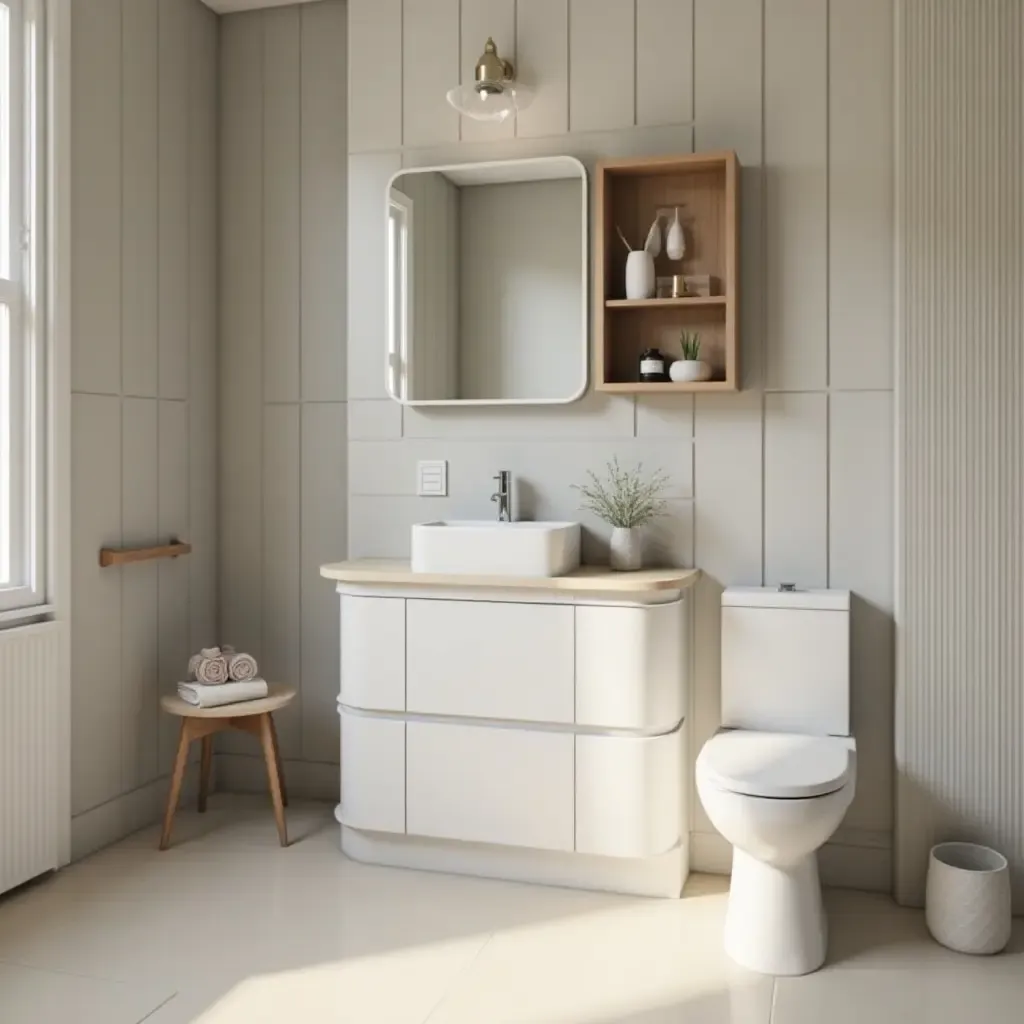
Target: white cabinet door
point(373, 652)
point(491, 660)
point(630, 666)
point(490, 785)
point(629, 794)
point(372, 773)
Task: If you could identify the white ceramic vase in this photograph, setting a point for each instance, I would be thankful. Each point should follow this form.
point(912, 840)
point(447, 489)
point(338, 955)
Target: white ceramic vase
point(683, 370)
point(967, 898)
point(675, 241)
point(626, 549)
point(639, 275)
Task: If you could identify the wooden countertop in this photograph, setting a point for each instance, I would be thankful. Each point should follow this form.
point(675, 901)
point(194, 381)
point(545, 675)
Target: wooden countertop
point(370, 571)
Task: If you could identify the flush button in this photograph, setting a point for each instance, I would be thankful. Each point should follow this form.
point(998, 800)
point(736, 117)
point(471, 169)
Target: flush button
point(787, 588)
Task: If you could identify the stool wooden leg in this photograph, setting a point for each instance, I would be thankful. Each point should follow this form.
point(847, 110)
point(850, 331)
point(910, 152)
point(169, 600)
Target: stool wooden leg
point(280, 763)
point(204, 772)
point(273, 775)
point(180, 761)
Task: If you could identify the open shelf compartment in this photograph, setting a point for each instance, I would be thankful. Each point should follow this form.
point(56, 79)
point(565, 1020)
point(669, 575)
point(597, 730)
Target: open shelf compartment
point(630, 193)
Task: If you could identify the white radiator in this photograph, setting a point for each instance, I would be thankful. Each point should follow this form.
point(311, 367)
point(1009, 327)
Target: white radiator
point(31, 729)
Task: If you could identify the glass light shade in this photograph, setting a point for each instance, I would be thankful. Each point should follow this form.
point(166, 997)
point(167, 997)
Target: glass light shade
point(497, 103)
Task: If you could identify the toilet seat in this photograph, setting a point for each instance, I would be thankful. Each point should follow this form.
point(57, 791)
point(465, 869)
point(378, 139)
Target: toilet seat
point(778, 766)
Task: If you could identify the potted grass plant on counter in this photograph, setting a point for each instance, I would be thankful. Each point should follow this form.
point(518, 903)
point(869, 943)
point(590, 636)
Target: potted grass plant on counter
point(627, 501)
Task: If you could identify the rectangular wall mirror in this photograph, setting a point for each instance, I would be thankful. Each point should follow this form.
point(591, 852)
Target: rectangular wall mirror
point(487, 283)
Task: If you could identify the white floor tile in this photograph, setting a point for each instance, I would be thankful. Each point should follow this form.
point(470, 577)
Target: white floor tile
point(29, 996)
point(228, 928)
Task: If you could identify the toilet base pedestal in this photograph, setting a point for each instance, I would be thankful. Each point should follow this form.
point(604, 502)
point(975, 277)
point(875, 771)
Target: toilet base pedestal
point(775, 923)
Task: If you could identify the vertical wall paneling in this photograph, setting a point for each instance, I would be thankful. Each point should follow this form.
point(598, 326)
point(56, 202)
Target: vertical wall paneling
point(960, 371)
point(728, 115)
point(96, 765)
point(542, 64)
point(324, 514)
point(796, 157)
point(139, 171)
point(860, 248)
point(281, 659)
point(202, 410)
point(795, 489)
point(144, 213)
point(861, 559)
point(324, 194)
point(241, 330)
point(139, 596)
point(173, 179)
point(281, 207)
point(480, 19)
point(283, 380)
point(664, 66)
point(602, 62)
point(96, 196)
point(374, 58)
point(430, 68)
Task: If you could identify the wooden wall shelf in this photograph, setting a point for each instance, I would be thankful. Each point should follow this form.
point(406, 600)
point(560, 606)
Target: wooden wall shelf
point(124, 556)
point(705, 187)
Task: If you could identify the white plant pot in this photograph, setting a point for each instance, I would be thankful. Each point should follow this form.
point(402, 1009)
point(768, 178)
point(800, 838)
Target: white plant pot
point(639, 275)
point(967, 898)
point(626, 549)
point(683, 370)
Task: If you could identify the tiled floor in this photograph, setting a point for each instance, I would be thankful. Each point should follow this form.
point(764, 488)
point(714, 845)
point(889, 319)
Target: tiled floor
point(227, 928)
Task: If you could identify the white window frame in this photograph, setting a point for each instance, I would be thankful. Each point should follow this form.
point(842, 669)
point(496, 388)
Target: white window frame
point(400, 292)
point(24, 441)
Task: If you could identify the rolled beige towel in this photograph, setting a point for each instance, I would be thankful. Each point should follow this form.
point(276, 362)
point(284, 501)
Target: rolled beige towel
point(206, 652)
point(241, 667)
point(212, 671)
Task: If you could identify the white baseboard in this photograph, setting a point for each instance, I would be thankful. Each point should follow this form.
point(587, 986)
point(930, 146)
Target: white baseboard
point(867, 867)
point(110, 822)
point(308, 780)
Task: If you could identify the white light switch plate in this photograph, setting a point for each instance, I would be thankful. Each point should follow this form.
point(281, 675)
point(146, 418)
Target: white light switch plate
point(432, 478)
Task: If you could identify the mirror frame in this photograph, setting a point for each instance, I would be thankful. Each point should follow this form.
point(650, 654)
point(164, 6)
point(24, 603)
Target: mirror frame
point(390, 360)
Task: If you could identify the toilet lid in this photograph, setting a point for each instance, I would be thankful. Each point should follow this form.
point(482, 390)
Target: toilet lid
point(783, 766)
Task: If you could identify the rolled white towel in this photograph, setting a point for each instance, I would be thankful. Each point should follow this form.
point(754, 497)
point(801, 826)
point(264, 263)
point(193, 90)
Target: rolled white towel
point(206, 652)
point(212, 671)
point(203, 696)
point(241, 667)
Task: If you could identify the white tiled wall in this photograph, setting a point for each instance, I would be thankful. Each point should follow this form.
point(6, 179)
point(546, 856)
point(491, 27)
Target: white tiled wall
point(283, 376)
point(789, 480)
point(144, 388)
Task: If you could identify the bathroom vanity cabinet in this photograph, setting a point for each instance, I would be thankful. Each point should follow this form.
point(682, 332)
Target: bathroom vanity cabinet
point(528, 729)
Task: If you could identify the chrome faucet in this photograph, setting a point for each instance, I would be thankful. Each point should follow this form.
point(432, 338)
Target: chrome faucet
point(504, 496)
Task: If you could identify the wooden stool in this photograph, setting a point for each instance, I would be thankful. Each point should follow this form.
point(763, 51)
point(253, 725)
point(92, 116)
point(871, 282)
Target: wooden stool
point(255, 717)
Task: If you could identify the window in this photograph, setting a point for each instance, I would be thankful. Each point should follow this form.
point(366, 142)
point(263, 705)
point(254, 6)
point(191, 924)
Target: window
point(399, 292)
point(22, 345)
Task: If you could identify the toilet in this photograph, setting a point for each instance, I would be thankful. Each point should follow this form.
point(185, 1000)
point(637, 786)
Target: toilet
point(778, 777)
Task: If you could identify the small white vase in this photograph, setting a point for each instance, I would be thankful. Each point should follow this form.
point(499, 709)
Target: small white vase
point(675, 241)
point(683, 370)
point(626, 549)
point(967, 898)
point(639, 275)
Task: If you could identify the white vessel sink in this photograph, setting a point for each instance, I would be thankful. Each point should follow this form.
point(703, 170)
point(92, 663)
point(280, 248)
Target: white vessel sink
point(489, 548)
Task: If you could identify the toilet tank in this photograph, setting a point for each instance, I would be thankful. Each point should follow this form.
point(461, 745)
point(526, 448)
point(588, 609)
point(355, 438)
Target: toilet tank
point(786, 660)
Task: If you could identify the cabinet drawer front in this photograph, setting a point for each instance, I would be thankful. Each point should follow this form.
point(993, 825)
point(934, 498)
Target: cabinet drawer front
point(630, 666)
point(372, 773)
point(490, 785)
point(373, 652)
point(629, 794)
point(491, 660)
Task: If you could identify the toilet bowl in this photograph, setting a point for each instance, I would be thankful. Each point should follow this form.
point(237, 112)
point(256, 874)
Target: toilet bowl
point(778, 778)
point(777, 798)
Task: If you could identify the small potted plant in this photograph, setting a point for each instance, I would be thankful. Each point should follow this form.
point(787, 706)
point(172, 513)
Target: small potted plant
point(691, 367)
point(625, 500)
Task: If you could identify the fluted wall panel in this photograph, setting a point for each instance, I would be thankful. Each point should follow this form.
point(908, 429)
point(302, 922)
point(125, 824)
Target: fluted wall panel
point(960, 323)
